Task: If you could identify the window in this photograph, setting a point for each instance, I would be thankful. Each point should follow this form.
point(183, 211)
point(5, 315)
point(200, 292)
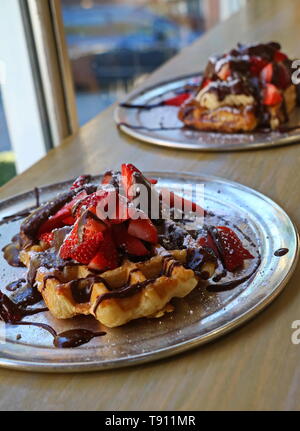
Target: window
point(115, 44)
point(104, 47)
point(7, 164)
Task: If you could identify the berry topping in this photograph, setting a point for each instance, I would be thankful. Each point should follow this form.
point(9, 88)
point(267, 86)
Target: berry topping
point(81, 250)
point(271, 95)
point(81, 181)
point(107, 256)
point(143, 229)
point(128, 243)
point(225, 72)
point(226, 244)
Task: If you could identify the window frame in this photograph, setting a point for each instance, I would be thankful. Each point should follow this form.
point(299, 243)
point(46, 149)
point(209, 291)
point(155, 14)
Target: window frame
point(36, 79)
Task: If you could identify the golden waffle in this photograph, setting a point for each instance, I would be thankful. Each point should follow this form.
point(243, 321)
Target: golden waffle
point(115, 297)
point(228, 119)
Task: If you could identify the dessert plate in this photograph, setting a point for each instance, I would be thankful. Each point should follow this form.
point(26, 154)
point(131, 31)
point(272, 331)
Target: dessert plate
point(199, 318)
point(160, 126)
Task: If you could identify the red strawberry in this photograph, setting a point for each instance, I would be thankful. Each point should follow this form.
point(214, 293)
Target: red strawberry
point(177, 100)
point(271, 95)
point(80, 181)
point(225, 72)
point(152, 181)
point(130, 244)
point(234, 252)
point(205, 82)
point(47, 237)
point(256, 65)
point(113, 208)
point(143, 229)
point(170, 198)
point(69, 221)
point(129, 172)
point(81, 251)
point(280, 56)
point(266, 74)
point(207, 241)
point(89, 202)
point(91, 227)
point(107, 255)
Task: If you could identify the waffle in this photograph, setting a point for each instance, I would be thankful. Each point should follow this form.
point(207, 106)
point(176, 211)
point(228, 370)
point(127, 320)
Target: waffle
point(131, 291)
point(224, 119)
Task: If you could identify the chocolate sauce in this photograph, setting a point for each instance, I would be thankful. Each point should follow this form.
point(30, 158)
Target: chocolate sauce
point(150, 129)
point(82, 288)
point(31, 225)
point(10, 312)
point(68, 339)
point(26, 295)
point(15, 285)
point(124, 292)
point(75, 337)
point(11, 254)
point(197, 257)
point(18, 215)
point(37, 197)
point(229, 285)
point(281, 252)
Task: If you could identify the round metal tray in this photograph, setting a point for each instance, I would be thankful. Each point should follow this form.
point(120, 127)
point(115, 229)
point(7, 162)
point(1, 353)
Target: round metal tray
point(160, 126)
point(199, 318)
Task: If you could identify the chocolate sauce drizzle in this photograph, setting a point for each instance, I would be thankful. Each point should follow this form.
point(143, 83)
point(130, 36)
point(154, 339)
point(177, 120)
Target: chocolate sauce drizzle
point(229, 285)
point(281, 252)
point(67, 339)
point(11, 253)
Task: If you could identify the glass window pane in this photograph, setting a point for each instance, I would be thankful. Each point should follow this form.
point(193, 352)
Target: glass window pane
point(115, 44)
point(7, 165)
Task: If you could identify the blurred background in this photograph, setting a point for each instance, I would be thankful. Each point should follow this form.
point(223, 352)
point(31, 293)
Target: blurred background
point(114, 44)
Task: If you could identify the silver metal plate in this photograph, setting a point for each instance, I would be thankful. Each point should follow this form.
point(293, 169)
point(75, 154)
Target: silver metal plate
point(198, 318)
point(160, 126)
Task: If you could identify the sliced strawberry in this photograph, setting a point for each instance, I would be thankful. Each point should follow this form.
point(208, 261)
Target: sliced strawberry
point(152, 181)
point(271, 95)
point(129, 172)
point(106, 257)
point(69, 221)
point(280, 56)
point(47, 237)
point(177, 100)
point(80, 181)
point(266, 74)
point(91, 226)
point(225, 72)
point(89, 202)
point(81, 251)
point(205, 82)
point(172, 199)
point(207, 241)
point(143, 229)
point(85, 252)
point(113, 208)
point(234, 252)
point(128, 243)
point(256, 65)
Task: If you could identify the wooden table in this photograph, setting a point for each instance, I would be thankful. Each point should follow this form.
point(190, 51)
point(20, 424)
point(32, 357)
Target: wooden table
point(257, 366)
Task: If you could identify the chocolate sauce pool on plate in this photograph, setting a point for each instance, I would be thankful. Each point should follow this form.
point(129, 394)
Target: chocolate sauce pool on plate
point(68, 339)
